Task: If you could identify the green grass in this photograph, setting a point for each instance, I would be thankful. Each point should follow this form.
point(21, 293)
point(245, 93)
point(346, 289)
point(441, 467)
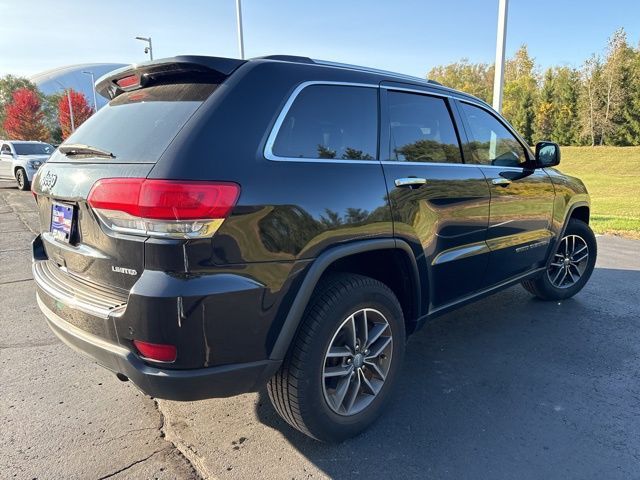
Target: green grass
point(612, 176)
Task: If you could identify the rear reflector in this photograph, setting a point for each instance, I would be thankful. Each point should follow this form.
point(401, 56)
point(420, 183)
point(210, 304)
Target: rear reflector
point(163, 208)
point(156, 351)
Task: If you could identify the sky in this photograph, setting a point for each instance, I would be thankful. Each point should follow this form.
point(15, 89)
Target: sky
point(406, 36)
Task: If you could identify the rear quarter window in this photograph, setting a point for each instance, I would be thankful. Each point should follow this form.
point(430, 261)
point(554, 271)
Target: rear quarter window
point(138, 126)
point(330, 122)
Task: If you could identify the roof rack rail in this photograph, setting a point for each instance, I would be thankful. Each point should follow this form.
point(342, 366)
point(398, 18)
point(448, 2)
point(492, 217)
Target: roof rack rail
point(285, 58)
point(369, 70)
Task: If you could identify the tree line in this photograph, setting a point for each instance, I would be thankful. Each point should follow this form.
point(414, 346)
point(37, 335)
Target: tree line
point(28, 114)
point(595, 104)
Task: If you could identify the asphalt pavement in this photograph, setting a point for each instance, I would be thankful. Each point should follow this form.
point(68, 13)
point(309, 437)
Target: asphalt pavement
point(508, 387)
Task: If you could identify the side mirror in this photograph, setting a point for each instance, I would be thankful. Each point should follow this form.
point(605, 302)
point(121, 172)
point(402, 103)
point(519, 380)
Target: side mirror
point(547, 154)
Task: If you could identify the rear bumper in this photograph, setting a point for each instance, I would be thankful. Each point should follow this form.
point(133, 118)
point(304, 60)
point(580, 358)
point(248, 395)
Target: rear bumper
point(184, 385)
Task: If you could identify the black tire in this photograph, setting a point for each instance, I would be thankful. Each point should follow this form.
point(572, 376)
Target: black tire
point(21, 178)
point(543, 287)
point(298, 390)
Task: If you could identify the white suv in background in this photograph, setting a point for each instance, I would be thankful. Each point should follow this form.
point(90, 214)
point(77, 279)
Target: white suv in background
point(21, 160)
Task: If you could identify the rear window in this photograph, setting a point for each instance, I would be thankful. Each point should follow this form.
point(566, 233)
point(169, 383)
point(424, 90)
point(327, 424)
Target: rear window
point(138, 126)
point(330, 121)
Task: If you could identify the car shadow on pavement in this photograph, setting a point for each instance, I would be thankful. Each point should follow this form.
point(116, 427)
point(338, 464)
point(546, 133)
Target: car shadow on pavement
point(508, 387)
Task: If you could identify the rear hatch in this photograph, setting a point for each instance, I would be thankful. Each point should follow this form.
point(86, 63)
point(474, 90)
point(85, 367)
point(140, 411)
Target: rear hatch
point(81, 190)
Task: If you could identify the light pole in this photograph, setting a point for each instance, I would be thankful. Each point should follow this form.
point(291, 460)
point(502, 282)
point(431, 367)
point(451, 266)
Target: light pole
point(68, 90)
point(501, 40)
point(149, 48)
point(93, 89)
point(240, 36)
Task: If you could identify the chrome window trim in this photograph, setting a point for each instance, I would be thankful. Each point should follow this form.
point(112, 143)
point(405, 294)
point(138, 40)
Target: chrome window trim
point(417, 90)
point(268, 148)
point(433, 90)
point(425, 164)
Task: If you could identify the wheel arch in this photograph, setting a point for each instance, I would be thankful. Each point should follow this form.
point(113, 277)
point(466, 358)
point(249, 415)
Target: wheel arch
point(579, 210)
point(19, 166)
point(356, 257)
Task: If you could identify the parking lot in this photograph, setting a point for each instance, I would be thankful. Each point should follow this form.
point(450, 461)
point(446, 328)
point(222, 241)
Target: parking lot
point(508, 387)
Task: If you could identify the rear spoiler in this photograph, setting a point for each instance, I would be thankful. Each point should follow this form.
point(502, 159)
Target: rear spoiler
point(192, 67)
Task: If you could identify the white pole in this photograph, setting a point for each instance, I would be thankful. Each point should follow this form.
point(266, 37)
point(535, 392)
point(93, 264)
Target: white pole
point(68, 91)
point(501, 40)
point(93, 89)
point(240, 37)
point(150, 50)
point(73, 125)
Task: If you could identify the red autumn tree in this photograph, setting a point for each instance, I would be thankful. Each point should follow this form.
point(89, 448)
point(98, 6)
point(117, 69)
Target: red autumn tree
point(80, 108)
point(24, 118)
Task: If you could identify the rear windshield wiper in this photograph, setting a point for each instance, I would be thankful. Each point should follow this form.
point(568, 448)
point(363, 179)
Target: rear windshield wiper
point(77, 149)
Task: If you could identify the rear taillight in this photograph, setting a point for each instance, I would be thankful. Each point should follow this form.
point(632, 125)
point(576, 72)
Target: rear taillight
point(163, 208)
point(156, 351)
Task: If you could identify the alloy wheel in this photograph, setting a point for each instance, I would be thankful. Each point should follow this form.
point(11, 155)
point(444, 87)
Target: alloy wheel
point(20, 179)
point(357, 362)
point(569, 262)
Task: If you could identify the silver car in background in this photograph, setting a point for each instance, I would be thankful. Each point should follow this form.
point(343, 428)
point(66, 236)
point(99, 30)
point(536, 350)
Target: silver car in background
point(21, 160)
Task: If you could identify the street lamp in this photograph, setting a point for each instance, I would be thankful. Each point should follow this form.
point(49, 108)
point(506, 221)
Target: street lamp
point(93, 89)
point(148, 49)
point(68, 90)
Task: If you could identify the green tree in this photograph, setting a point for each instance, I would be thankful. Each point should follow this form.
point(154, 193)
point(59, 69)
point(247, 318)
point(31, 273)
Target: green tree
point(613, 91)
point(626, 118)
point(594, 105)
point(546, 110)
point(520, 93)
point(473, 78)
point(566, 90)
point(590, 104)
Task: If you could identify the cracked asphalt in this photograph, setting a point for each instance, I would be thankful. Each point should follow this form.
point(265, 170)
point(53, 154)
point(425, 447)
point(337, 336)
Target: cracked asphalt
point(508, 387)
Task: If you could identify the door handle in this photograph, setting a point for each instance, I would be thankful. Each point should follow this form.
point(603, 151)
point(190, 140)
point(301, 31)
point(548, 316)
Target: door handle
point(501, 182)
point(411, 182)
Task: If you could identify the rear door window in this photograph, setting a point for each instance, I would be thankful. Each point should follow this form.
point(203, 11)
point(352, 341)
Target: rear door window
point(421, 129)
point(137, 126)
point(330, 122)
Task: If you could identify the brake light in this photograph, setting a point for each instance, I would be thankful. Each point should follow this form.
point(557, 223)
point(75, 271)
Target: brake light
point(163, 208)
point(156, 351)
point(131, 81)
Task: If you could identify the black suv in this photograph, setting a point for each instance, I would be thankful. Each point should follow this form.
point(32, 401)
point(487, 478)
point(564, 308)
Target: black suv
point(224, 224)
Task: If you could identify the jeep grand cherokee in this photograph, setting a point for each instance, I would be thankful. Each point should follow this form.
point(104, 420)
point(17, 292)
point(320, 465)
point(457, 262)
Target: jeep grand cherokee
point(222, 224)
